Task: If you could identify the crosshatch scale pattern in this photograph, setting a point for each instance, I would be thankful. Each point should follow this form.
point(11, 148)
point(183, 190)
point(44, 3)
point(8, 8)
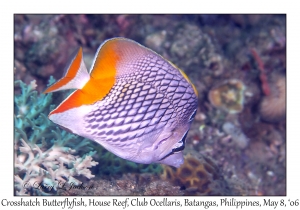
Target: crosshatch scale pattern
point(149, 98)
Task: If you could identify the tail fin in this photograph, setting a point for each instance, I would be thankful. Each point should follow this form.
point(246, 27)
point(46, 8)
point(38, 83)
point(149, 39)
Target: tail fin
point(75, 76)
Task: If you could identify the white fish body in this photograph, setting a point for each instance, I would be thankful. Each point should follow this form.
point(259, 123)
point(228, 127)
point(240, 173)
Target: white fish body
point(133, 102)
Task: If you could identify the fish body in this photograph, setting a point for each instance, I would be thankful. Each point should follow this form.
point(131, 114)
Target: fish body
point(133, 102)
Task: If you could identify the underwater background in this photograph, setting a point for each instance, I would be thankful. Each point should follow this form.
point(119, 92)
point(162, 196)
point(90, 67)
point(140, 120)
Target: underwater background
point(237, 142)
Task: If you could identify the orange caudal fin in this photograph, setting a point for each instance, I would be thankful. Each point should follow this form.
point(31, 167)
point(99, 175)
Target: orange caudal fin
point(75, 76)
point(111, 61)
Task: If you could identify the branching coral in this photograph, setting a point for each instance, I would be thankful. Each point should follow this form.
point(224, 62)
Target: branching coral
point(46, 169)
point(43, 155)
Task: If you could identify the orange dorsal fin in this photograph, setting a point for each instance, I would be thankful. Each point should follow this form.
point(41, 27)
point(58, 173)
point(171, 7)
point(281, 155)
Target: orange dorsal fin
point(75, 76)
point(120, 51)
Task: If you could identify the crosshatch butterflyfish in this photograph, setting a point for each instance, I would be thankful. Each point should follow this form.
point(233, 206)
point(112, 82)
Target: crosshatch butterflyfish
point(133, 102)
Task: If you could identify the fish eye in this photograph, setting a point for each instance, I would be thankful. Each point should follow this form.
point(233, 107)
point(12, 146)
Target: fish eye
point(193, 115)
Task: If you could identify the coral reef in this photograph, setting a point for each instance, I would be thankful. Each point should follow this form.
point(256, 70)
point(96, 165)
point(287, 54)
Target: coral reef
point(129, 184)
point(197, 176)
point(193, 48)
point(211, 49)
point(228, 96)
point(42, 172)
point(112, 165)
point(237, 135)
point(44, 45)
point(44, 156)
point(47, 156)
point(273, 106)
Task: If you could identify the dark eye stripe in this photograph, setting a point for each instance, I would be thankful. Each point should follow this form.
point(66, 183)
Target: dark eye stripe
point(183, 144)
point(177, 149)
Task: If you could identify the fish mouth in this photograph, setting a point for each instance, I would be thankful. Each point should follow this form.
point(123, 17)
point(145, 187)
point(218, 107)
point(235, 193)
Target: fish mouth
point(178, 147)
